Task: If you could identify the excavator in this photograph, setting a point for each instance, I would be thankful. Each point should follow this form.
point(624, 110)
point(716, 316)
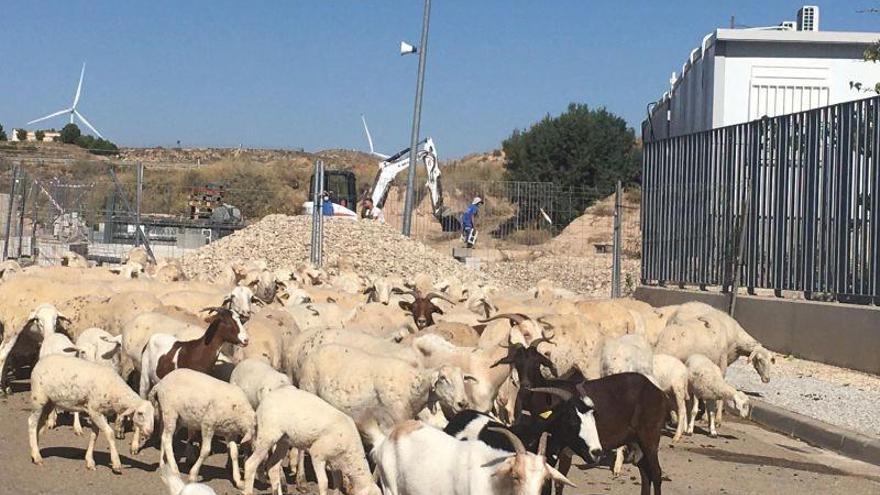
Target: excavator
point(341, 185)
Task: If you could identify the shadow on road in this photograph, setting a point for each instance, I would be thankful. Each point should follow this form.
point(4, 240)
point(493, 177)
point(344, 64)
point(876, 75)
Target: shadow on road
point(762, 460)
point(101, 458)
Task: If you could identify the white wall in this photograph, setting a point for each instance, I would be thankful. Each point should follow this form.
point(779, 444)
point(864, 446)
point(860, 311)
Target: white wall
point(798, 79)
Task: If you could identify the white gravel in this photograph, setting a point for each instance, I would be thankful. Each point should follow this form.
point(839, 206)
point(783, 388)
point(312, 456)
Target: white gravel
point(839, 396)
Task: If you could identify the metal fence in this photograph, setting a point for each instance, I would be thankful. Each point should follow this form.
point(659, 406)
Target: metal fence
point(786, 203)
point(49, 205)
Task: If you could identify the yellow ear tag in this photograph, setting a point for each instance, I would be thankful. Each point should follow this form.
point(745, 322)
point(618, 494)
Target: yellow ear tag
point(546, 414)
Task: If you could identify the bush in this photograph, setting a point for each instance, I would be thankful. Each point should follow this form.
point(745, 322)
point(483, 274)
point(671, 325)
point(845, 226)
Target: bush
point(2, 133)
point(40, 135)
point(70, 133)
point(21, 134)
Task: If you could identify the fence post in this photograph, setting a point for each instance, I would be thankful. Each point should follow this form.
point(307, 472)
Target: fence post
point(22, 206)
point(317, 215)
point(740, 249)
point(615, 263)
point(34, 222)
point(11, 203)
point(140, 191)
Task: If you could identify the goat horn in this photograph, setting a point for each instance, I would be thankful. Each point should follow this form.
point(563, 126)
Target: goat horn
point(261, 300)
point(516, 318)
point(517, 444)
point(412, 292)
point(558, 392)
point(211, 309)
point(535, 343)
point(542, 443)
point(433, 295)
point(543, 321)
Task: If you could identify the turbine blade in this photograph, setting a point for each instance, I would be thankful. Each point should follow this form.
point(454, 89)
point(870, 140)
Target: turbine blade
point(79, 86)
point(59, 112)
point(86, 122)
point(367, 130)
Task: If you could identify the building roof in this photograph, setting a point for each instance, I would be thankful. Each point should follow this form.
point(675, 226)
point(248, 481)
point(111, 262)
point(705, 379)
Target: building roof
point(788, 36)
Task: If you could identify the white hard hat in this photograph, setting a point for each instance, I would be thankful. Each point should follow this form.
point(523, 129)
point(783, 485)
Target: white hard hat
point(477, 200)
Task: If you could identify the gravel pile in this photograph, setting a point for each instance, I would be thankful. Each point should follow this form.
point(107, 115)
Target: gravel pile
point(284, 241)
point(838, 396)
point(590, 275)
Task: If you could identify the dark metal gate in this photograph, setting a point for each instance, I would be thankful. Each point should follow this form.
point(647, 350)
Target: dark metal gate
point(804, 188)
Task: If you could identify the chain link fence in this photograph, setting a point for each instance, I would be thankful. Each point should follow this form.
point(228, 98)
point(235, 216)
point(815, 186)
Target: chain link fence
point(50, 205)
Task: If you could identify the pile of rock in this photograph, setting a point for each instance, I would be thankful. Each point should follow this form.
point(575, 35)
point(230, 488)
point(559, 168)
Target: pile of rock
point(284, 241)
point(590, 276)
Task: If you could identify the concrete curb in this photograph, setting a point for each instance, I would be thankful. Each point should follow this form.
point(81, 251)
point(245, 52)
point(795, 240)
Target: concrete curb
point(815, 432)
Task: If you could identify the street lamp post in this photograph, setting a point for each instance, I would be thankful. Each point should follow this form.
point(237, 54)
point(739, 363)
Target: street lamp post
point(417, 115)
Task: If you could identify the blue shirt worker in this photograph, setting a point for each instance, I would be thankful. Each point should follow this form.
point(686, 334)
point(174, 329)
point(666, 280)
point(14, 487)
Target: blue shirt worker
point(467, 222)
point(327, 206)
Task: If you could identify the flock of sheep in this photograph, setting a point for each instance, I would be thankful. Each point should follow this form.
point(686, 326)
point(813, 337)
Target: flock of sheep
point(415, 386)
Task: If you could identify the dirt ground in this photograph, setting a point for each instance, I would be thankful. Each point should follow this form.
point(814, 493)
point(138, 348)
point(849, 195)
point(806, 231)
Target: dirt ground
point(744, 460)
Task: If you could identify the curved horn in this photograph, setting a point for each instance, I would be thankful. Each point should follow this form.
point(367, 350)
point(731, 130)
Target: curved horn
point(412, 292)
point(260, 299)
point(517, 444)
point(515, 318)
point(558, 392)
point(535, 343)
point(211, 309)
point(544, 323)
point(434, 295)
point(542, 443)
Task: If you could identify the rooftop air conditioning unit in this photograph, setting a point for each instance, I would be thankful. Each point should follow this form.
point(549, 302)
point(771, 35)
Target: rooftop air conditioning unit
point(788, 25)
point(808, 18)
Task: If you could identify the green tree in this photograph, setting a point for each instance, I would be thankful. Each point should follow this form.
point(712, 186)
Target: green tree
point(40, 135)
point(21, 134)
point(2, 133)
point(580, 148)
point(70, 133)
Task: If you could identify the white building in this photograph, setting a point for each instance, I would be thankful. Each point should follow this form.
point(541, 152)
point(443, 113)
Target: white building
point(32, 136)
point(737, 75)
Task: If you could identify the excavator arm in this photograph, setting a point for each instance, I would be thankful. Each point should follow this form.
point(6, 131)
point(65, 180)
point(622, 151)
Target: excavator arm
point(393, 165)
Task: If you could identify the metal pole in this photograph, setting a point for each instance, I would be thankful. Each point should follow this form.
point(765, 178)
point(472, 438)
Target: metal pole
point(741, 239)
point(34, 223)
point(11, 203)
point(321, 217)
point(615, 260)
point(22, 206)
point(140, 191)
point(417, 115)
point(316, 194)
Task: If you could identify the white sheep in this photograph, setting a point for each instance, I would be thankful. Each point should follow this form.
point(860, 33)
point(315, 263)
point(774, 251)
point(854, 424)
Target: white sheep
point(289, 417)
point(627, 353)
point(57, 343)
point(132, 269)
point(98, 346)
point(256, 378)
point(707, 383)
point(43, 321)
point(671, 376)
point(198, 402)
point(176, 485)
point(379, 391)
point(77, 385)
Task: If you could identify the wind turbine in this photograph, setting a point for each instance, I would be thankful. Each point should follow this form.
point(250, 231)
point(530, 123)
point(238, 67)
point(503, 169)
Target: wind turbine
point(72, 110)
point(370, 139)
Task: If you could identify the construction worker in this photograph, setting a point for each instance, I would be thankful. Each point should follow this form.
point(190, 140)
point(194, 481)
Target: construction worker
point(469, 234)
point(372, 212)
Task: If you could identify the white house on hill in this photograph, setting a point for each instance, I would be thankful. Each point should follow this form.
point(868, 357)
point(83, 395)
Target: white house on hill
point(737, 75)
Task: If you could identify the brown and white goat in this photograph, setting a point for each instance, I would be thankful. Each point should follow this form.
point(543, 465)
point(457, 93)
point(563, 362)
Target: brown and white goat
point(422, 307)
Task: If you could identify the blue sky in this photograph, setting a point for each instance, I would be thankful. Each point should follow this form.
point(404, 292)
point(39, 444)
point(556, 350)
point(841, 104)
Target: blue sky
point(299, 73)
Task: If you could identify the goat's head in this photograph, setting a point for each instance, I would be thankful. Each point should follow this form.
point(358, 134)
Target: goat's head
point(762, 360)
point(226, 325)
point(48, 320)
point(240, 299)
point(527, 361)
point(447, 388)
point(573, 422)
point(741, 403)
point(526, 472)
point(422, 307)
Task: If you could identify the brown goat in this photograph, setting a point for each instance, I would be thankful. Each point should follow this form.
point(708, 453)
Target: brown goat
point(422, 308)
point(164, 353)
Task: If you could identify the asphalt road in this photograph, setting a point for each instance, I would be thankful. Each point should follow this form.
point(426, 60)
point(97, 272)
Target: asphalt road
point(745, 459)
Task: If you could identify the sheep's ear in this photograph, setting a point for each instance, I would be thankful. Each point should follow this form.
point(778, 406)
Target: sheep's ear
point(752, 356)
point(128, 412)
point(471, 378)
